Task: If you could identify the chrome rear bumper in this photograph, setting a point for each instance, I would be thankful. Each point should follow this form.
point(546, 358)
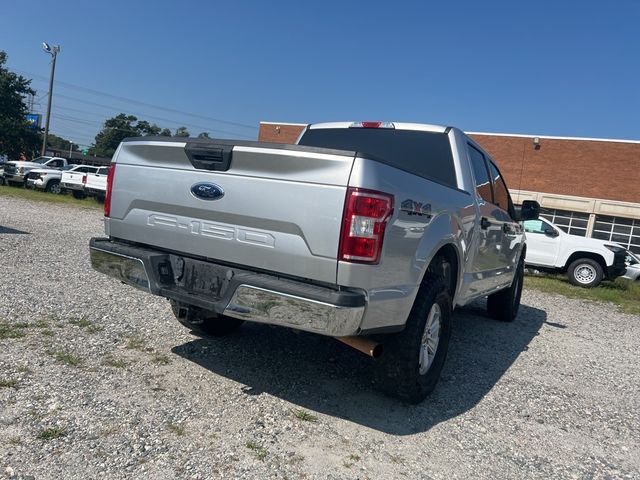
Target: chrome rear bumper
point(230, 291)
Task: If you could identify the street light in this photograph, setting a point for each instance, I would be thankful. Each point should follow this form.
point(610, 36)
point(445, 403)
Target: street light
point(53, 51)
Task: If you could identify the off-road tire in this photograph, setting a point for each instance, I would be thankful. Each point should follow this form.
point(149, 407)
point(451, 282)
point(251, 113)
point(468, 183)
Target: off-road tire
point(205, 322)
point(592, 265)
point(397, 371)
point(504, 305)
point(79, 195)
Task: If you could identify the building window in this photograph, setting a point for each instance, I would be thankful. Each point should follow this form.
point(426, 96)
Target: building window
point(574, 223)
point(624, 231)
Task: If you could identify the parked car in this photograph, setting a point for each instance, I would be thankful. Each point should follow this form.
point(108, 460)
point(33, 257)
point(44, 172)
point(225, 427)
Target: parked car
point(2, 163)
point(586, 261)
point(48, 179)
point(368, 232)
point(15, 172)
point(633, 267)
point(73, 180)
point(95, 184)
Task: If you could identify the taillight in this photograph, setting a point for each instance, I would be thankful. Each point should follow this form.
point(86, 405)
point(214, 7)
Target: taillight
point(366, 214)
point(84, 179)
point(372, 125)
point(107, 198)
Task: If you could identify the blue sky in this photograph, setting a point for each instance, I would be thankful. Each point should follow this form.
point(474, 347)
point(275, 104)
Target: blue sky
point(565, 68)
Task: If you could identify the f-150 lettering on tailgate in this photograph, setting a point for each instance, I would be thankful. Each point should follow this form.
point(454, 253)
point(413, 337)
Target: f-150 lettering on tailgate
point(212, 230)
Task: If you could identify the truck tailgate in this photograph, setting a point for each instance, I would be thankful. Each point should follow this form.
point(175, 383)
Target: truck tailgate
point(281, 208)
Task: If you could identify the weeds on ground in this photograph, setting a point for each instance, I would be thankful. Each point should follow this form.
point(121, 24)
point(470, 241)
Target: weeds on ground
point(622, 292)
point(161, 359)
point(305, 416)
point(81, 322)
point(137, 343)
point(12, 330)
point(8, 383)
point(52, 433)
point(258, 450)
point(175, 428)
point(67, 358)
point(114, 362)
point(15, 441)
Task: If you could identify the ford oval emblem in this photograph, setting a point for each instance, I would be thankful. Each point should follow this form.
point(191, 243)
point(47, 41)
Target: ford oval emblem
point(207, 191)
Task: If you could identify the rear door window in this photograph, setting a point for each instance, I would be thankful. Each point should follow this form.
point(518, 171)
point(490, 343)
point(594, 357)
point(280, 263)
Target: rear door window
point(500, 192)
point(483, 182)
point(427, 154)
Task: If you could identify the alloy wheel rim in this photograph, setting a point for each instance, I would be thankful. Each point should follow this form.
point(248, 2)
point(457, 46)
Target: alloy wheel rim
point(430, 338)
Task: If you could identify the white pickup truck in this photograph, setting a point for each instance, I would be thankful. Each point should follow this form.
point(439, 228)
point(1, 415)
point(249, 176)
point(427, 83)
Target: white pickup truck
point(15, 172)
point(74, 180)
point(586, 261)
point(95, 184)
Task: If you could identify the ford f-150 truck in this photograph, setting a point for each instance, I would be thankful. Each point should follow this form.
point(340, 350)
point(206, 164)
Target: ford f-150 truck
point(369, 232)
point(586, 261)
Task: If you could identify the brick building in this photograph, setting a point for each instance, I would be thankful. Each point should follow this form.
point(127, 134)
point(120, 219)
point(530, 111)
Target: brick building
point(586, 186)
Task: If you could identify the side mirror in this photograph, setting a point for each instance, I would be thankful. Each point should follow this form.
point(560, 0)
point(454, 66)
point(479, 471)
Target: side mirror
point(530, 210)
point(551, 232)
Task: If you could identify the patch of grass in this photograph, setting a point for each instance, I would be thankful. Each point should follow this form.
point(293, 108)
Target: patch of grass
point(24, 369)
point(137, 343)
point(622, 292)
point(161, 359)
point(28, 194)
point(93, 328)
point(114, 362)
point(305, 416)
point(47, 333)
point(354, 457)
point(81, 322)
point(7, 383)
point(67, 358)
point(11, 330)
point(52, 433)
point(15, 441)
point(175, 428)
point(258, 450)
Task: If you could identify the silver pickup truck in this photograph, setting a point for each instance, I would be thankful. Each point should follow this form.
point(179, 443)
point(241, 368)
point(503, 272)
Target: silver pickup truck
point(369, 232)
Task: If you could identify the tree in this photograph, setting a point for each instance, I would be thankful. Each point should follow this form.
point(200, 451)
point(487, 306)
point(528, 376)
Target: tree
point(204, 135)
point(120, 127)
point(165, 132)
point(58, 143)
point(16, 136)
point(182, 132)
point(147, 129)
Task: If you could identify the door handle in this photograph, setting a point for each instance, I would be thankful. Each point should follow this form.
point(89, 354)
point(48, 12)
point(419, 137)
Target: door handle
point(484, 223)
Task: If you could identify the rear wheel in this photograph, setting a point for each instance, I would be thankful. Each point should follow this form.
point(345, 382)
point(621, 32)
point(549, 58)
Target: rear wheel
point(204, 321)
point(413, 359)
point(504, 305)
point(79, 194)
point(585, 272)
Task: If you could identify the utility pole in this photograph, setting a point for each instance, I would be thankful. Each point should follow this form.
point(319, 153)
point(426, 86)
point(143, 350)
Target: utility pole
point(53, 51)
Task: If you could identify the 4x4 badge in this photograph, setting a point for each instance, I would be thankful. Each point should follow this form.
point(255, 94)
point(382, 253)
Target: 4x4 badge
point(416, 208)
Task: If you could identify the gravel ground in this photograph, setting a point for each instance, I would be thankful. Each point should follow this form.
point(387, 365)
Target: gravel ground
point(98, 380)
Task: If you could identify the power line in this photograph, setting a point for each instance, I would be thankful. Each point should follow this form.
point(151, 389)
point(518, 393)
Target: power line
point(129, 100)
point(175, 122)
